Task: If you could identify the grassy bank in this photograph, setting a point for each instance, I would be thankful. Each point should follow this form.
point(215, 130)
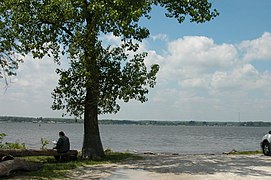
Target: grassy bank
point(55, 170)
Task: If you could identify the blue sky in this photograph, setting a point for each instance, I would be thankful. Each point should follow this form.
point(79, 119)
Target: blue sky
point(209, 71)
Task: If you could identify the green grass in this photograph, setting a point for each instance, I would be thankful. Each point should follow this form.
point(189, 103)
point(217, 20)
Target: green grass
point(54, 170)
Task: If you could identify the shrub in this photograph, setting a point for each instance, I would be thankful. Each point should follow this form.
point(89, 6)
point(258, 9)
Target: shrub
point(8, 145)
point(44, 142)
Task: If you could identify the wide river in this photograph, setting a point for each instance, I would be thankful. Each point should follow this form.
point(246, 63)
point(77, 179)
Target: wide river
point(135, 138)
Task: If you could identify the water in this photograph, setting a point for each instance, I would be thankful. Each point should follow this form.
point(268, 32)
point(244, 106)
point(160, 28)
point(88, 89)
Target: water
point(160, 139)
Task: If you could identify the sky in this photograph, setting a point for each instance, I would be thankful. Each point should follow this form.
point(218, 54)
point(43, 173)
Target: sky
point(216, 71)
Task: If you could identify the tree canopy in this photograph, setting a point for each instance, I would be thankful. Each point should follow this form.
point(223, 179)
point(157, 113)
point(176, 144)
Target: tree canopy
point(9, 57)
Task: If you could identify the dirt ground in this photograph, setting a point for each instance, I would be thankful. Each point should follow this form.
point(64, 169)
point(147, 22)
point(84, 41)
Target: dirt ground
point(188, 167)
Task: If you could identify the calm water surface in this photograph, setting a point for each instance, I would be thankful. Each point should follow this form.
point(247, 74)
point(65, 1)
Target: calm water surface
point(163, 139)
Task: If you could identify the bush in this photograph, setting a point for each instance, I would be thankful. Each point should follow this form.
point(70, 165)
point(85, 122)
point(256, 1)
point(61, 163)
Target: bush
point(8, 145)
point(44, 142)
point(2, 135)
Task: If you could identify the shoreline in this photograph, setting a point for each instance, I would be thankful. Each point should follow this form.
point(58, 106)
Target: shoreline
point(199, 123)
point(168, 166)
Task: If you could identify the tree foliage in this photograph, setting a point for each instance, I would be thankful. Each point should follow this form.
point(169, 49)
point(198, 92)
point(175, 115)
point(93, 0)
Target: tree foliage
point(9, 48)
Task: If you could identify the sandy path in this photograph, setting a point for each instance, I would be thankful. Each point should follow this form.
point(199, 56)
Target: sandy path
point(190, 167)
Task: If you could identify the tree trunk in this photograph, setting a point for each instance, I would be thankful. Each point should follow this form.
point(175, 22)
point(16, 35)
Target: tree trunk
point(92, 145)
point(17, 164)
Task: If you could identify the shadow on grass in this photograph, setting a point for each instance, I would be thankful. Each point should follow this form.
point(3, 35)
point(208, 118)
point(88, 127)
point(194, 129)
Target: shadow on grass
point(53, 169)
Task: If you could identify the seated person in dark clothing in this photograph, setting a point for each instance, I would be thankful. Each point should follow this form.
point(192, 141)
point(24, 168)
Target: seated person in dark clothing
point(62, 145)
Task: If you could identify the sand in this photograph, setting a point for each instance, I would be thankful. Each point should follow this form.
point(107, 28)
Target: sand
point(188, 167)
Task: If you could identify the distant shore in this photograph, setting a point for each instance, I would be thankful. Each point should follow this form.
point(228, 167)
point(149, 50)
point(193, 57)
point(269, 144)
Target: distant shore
point(137, 122)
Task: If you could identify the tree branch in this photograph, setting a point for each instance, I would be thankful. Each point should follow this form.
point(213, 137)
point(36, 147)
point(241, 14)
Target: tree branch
point(44, 21)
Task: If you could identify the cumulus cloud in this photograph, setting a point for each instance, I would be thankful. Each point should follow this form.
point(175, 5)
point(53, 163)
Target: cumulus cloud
point(200, 52)
point(29, 93)
point(198, 79)
point(202, 80)
point(195, 60)
point(218, 76)
point(257, 49)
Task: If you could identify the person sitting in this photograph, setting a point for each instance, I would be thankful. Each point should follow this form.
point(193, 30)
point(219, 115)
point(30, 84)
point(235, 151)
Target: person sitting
point(62, 145)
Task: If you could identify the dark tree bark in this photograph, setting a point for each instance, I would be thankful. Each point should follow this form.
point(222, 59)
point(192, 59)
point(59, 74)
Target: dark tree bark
point(92, 145)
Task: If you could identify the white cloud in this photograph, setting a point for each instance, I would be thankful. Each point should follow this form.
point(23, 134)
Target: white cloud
point(198, 79)
point(162, 37)
point(257, 49)
point(197, 73)
point(29, 93)
point(194, 83)
point(201, 52)
point(111, 39)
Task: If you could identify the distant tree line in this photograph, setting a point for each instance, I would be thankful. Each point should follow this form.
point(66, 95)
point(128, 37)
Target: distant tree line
point(39, 119)
point(133, 122)
point(187, 123)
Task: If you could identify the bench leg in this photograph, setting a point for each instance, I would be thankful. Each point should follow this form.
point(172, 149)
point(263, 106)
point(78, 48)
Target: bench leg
point(64, 158)
point(57, 158)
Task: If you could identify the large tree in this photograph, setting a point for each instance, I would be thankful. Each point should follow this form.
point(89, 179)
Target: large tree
point(99, 75)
